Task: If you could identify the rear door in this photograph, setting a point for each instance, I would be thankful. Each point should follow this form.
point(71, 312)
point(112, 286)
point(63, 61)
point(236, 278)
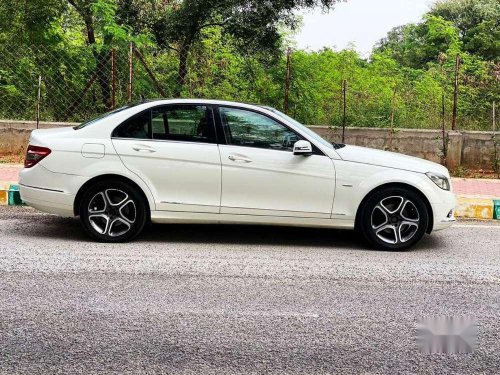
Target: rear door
point(174, 150)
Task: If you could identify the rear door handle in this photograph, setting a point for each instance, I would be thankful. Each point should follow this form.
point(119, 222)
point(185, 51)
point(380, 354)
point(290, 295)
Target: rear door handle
point(238, 158)
point(141, 148)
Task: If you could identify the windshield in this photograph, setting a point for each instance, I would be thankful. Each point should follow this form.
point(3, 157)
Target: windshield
point(305, 129)
point(94, 120)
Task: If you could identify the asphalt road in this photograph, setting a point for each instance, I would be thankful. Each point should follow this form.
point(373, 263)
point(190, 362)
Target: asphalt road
point(230, 300)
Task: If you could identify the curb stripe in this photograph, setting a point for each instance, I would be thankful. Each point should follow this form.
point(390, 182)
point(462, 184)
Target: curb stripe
point(9, 194)
point(4, 197)
point(474, 208)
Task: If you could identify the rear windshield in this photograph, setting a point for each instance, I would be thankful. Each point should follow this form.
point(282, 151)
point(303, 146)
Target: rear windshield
point(107, 114)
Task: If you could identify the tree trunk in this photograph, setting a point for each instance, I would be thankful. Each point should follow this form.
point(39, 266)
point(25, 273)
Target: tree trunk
point(101, 58)
point(103, 79)
point(183, 68)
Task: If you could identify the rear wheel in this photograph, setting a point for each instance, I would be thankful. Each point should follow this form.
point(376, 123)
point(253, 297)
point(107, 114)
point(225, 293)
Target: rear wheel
point(394, 219)
point(113, 211)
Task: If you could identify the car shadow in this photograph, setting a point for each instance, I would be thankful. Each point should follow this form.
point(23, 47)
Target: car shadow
point(70, 229)
point(252, 235)
point(271, 236)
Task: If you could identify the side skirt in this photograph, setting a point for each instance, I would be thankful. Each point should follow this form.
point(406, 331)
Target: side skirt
point(209, 218)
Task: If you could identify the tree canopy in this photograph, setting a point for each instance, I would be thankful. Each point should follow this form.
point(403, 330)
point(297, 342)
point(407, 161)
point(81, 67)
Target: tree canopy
point(235, 50)
point(477, 22)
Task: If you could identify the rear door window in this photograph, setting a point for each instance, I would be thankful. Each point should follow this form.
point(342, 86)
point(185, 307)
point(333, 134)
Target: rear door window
point(184, 123)
point(191, 123)
point(136, 127)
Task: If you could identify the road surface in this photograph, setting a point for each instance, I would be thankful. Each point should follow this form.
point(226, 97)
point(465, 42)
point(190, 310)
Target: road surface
point(236, 300)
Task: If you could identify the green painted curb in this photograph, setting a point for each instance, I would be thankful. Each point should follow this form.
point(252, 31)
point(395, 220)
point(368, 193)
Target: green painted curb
point(496, 209)
point(14, 196)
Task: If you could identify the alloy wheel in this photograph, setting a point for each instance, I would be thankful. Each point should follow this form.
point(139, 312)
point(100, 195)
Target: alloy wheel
point(112, 212)
point(395, 220)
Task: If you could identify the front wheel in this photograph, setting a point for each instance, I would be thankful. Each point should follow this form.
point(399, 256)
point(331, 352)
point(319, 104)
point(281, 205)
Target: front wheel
point(113, 211)
point(394, 219)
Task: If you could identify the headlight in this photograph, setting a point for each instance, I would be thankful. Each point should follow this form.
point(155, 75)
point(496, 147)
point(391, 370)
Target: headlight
point(439, 180)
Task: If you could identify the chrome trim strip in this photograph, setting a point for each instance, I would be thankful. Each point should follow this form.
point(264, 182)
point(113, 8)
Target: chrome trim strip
point(189, 204)
point(40, 188)
point(163, 140)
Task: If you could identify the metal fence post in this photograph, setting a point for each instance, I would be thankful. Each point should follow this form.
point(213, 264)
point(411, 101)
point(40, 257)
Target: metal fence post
point(130, 70)
point(113, 79)
point(38, 99)
point(393, 110)
point(494, 116)
point(287, 79)
point(443, 129)
point(455, 95)
point(441, 60)
point(344, 107)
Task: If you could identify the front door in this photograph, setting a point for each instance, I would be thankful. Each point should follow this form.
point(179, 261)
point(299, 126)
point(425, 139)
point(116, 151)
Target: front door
point(174, 150)
point(262, 176)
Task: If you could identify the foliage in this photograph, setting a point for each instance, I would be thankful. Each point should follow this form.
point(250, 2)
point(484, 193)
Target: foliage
point(465, 28)
point(417, 45)
point(234, 50)
point(477, 23)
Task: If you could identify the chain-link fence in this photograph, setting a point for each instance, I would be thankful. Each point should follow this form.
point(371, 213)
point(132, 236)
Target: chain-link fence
point(78, 83)
point(69, 85)
point(75, 84)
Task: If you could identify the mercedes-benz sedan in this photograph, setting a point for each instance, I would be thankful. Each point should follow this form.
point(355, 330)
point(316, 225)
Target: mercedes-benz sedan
point(207, 161)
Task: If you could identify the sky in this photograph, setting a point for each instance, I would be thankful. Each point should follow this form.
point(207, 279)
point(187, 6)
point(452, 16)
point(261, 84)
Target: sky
point(361, 22)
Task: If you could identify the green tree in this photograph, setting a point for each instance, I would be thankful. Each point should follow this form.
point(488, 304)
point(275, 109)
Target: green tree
point(252, 25)
point(416, 45)
point(477, 22)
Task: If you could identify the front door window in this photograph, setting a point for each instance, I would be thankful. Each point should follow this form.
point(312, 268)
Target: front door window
point(251, 129)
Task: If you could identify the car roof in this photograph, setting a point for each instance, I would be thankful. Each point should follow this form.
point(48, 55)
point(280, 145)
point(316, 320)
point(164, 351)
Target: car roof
point(202, 101)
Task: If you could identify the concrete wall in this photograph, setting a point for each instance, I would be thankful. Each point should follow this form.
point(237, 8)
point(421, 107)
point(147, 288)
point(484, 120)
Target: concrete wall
point(470, 149)
point(473, 150)
point(14, 135)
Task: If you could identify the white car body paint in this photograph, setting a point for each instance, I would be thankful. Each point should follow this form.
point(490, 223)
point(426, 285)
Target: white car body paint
point(210, 183)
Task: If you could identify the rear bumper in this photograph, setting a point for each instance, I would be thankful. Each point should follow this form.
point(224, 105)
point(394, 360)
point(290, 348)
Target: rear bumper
point(50, 201)
point(48, 191)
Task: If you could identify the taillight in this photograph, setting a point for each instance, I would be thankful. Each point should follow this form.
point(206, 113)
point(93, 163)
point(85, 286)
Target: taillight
point(34, 154)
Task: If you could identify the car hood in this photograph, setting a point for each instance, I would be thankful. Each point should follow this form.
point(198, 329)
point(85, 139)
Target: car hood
point(389, 159)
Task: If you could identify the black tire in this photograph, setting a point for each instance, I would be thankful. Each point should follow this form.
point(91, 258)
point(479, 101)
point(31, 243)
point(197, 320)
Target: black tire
point(387, 226)
point(113, 211)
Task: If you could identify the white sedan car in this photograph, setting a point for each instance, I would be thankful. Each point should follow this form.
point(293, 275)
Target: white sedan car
point(207, 161)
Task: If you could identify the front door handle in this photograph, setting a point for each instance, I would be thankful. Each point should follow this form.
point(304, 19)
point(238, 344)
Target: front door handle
point(239, 158)
point(140, 148)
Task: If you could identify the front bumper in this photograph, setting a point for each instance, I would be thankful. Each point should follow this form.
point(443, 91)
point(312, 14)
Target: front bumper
point(443, 211)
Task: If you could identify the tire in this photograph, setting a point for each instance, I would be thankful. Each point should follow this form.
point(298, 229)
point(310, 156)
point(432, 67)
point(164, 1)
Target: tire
point(393, 219)
point(113, 211)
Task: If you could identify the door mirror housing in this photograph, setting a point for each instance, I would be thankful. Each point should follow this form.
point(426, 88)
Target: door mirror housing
point(302, 148)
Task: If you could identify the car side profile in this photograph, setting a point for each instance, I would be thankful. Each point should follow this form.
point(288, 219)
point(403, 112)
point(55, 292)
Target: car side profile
point(208, 161)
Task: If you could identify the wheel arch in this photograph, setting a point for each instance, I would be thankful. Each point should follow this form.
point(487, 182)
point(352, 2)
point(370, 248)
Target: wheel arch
point(428, 206)
point(114, 177)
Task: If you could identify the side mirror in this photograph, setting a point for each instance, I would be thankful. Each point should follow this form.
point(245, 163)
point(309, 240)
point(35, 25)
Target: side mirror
point(302, 148)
